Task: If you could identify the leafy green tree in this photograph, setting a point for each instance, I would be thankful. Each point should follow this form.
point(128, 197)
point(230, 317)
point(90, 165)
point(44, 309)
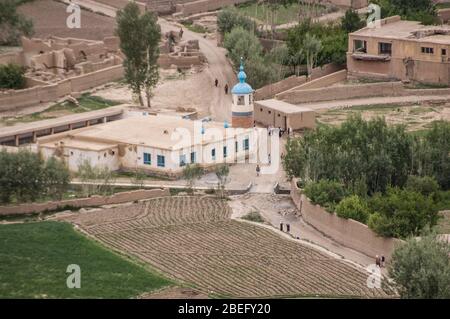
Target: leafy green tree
point(401, 213)
point(417, 10)
point(229, 18)
point(12, 24)
point(351, 21)
point(56, 177)
point(191, 173)
point(420, 268)
point(222, 171)
point(12, 76)
point(353, 207)
point(426, 185)
point(311, 47)
point(139, 37)
point(95, 180)
point(325, 193)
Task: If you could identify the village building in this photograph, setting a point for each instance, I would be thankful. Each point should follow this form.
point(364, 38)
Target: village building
point(402, 50)
point(277, 113)
point(156, 144)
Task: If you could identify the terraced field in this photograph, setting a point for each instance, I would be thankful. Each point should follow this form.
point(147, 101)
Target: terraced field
point(194, 240)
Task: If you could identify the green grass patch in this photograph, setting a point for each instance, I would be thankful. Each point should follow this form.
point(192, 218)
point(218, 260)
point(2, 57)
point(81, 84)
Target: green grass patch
point(419, 85)
point(34, 258)
point(443, 5)
point(87, 103)
point(254, 217)
point(375, 108)
point(195, 27)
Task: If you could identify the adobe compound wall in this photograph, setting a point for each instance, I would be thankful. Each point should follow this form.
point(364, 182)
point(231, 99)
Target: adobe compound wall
point(204, 5)
point(347, 232)
point(117, 198)
point(14, 99)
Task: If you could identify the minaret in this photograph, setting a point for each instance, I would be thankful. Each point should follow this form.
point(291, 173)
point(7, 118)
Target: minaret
point(242, 107)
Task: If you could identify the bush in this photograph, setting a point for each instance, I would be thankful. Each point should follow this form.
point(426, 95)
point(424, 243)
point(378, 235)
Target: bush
point(12, 77)
point(427, 186)
point(353, 207)
point(12, 24)
point(254, 217)
point(325, 193)
point(229, 18)
point(401, 213)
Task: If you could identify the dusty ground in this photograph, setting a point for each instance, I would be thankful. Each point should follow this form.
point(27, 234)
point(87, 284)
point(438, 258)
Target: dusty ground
point(415, 116)
point(49, 19)
point(193, 240)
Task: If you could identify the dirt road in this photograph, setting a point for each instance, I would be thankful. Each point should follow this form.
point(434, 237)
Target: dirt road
point(197, 91)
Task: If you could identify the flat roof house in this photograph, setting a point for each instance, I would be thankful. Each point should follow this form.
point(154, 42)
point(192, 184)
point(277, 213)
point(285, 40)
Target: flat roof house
point(157, 144)
point(278, 113)
point(402, 50)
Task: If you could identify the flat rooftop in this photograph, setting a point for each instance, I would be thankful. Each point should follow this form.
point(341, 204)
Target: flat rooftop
point(156, 131)
point(283, 107)
point(408, 30)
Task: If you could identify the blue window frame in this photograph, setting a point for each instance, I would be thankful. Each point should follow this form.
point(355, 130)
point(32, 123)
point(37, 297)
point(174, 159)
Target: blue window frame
point(183, 160)
point(147, 159)
point(246, 144)
point(161, 161)
point(213, 154)
point(193, 157)
point(225, 152)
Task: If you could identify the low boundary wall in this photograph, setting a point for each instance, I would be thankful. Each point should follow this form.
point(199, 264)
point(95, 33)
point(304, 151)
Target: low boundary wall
point(117, 198)
point(205, 5)
point(347, 232)
point(14, 99)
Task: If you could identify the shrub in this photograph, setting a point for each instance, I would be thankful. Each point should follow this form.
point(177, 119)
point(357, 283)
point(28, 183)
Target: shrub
point(12, 77)
point(427, 186)
point(254, 217)
point(12, 24)
point(353, 207)
point(325, 193)
point(401, 213)
point(229, 18)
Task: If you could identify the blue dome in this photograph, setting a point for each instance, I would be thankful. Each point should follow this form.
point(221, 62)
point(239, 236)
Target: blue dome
point(242, 87)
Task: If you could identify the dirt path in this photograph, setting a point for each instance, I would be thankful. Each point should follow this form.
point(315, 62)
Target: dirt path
point(196, 91)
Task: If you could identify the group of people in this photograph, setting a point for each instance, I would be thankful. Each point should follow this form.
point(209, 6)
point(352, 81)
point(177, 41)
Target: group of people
point(380, 261)
point(216, 84)
point(279, 130)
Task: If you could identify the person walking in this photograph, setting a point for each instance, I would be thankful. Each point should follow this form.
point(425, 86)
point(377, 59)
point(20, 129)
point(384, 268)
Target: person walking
point(258, 170)
point(288, 228)
point(377, 261)
point(216, 82)
point(281, 226)
point(181, 32)
point(383, 260)
point(226, 88)
point(269, 158)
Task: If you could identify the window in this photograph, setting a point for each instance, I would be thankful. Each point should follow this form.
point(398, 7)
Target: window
point(161, 161)
point(147, 159)
point(246, 144)
point(193, 157)
point(443, 51)
point(427, 50)
point(385, 48)
point(225, 152)
point(236, 146)
point(360, 46)
point(183, 160)
point(213, 154)
point(270, 112)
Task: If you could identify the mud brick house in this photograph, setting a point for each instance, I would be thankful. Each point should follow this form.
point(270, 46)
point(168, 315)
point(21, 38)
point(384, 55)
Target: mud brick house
point(402, 50)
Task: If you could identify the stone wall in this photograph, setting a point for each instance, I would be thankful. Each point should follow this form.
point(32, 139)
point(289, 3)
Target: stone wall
point(342, 92)
point(120, 4)
point(166, 60)
point(14, 99)
point(324, 81)
point(117, 198)
point(347, 232)
point(270, 90)
point(12, 57)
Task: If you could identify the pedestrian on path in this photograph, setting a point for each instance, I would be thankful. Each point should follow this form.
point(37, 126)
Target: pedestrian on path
point(281, 226)
point(216, 82)
point(226, 88)
point(288, 228)
point(181, 32)
point(383, 260)
point(377, 261)
point(269, 158)
point(258, 170)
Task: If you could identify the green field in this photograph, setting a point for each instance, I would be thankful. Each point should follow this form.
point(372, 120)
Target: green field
point(34, 258)
point(283, 14)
